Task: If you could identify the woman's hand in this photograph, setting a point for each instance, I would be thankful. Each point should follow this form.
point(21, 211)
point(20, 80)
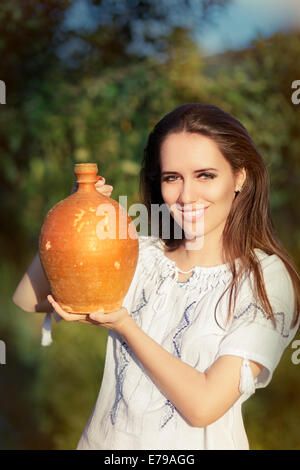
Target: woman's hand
point(102, 188)
point(112, 320)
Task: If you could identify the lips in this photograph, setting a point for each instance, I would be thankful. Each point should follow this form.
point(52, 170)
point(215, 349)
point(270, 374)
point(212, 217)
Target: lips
point(193, 211)
point(191, 215)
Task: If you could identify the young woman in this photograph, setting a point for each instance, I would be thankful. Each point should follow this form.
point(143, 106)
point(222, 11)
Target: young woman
point(209, 314)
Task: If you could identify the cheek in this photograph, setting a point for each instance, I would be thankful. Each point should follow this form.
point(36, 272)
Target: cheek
point(221, 198)
point(170, 196)
point(168, 193)
point(220, 193)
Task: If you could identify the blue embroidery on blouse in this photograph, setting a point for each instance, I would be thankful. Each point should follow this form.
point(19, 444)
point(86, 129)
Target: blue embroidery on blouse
point(142, 304)
point(169, 408)
point(120, 375)
point(283, 331)
point(182, 326)
point(122, 363)
point(169, 413)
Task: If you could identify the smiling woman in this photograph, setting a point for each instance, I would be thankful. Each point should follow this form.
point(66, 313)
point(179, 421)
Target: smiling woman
point(180, 358)
point(237, 218)
point(202, 164)
point(192, 190)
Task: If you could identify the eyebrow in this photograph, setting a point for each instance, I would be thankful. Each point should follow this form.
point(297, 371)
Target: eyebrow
point(196, 171)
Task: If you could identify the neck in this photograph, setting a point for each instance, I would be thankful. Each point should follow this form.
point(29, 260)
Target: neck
point(205, 251)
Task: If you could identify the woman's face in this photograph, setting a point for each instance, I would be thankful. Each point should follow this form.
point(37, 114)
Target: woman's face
point(195, 175)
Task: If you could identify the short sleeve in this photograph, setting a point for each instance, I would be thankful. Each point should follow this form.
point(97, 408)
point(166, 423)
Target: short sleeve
point(253, 336)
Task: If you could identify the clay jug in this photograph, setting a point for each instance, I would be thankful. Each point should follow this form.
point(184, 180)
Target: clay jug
point(88, 248)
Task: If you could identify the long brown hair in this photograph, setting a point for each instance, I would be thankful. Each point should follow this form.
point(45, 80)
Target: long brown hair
point(249, 224)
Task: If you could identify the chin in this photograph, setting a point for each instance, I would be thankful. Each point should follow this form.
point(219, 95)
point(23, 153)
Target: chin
point(195, 243)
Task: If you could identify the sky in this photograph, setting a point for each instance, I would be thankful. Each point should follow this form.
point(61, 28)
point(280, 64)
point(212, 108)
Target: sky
point(242, 20)
point(232, 27)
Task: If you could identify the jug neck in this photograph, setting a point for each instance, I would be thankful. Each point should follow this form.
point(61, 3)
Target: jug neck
point(86, 176)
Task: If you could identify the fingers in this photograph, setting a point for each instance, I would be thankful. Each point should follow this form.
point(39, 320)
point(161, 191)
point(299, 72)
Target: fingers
point(110, 319)
point(114, 320)
point(100, 181)
point(65, 315)
point(98, 317)
point(102, 188)
point(105, 190)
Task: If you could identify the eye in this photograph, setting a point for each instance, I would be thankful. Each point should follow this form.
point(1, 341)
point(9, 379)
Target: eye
point(208, 175)
point(171, 178)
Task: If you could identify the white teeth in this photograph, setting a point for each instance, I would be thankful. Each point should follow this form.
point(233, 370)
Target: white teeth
point(198, 211)
point(192, 213)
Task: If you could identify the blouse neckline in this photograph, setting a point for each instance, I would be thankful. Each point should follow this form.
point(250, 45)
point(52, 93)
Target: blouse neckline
point(196, 269)
point(156, 263)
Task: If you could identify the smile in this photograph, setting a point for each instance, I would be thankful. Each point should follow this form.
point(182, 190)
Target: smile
point(192, 215)
point(193, 212)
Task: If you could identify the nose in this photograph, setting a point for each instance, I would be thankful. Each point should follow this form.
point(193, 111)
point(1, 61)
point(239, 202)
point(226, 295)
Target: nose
point(188, 193)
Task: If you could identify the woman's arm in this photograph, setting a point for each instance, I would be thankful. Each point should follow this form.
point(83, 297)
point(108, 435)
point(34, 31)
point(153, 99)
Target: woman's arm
point(201, 398)
point(31, 292)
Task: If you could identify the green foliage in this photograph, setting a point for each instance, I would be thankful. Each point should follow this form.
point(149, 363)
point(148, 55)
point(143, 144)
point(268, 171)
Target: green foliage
point(103, 112)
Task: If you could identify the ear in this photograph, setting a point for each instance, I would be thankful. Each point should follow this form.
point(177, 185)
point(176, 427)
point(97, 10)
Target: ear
point(241, 178)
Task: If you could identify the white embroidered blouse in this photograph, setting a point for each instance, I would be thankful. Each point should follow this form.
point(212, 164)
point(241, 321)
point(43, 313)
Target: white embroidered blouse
point(131, 412)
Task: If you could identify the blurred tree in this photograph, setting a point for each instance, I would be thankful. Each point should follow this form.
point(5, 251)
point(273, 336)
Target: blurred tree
point(29, 35)
point(139, 28)
point(255, 85)
point(57, 115)
point(32, 34)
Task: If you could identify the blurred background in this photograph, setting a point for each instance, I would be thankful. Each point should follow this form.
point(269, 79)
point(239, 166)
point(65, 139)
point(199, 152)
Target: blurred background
point(85, 82)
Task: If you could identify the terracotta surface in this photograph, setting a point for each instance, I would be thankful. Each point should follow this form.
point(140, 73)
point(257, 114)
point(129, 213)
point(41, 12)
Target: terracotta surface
point(88, 251)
